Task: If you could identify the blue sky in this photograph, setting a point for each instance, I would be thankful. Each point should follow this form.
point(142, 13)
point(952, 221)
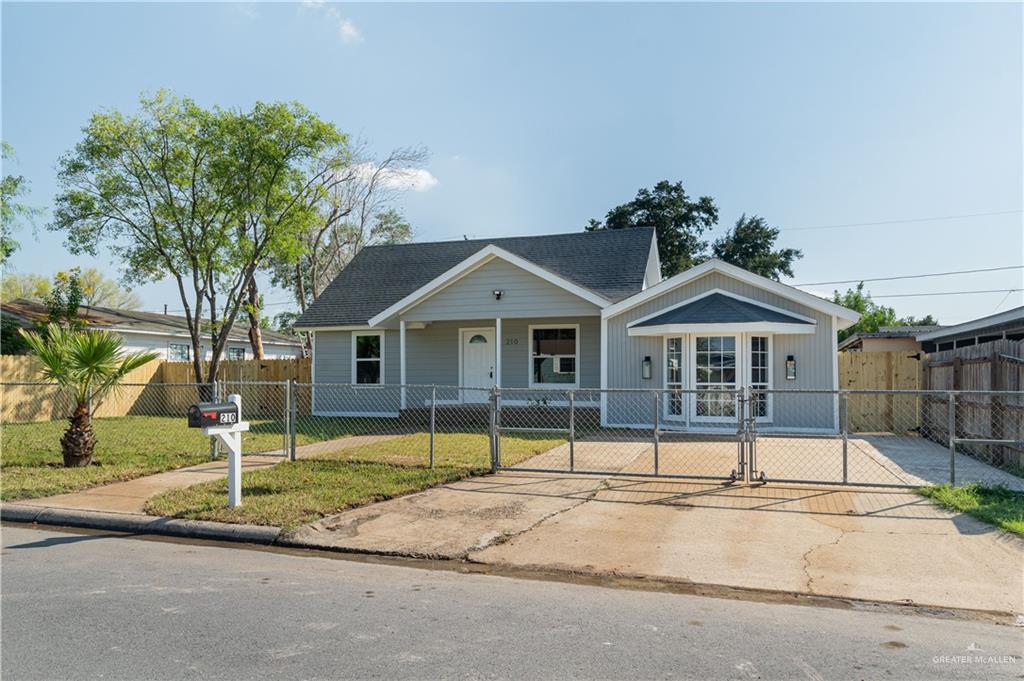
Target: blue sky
point(539, 117)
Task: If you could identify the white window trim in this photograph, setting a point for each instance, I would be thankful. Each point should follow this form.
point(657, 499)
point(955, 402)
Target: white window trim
point(373, 332)
point(188, 346)
point(227, 354)
point(767, 418)
point(683, 417)
point(692, 374)
point(529, 358)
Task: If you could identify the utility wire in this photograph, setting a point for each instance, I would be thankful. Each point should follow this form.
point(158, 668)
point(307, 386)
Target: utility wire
point(948, 293)
point(914, 276)
point(901, 222)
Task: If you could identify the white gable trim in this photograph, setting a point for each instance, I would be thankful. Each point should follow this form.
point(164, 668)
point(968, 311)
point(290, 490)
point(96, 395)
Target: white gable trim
point(475, 261)
point(652, 273)
point(714, 265)
point(728, 294)
point(723, 328)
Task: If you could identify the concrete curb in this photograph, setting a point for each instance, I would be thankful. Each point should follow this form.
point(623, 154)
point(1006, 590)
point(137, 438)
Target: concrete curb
point(140, 524)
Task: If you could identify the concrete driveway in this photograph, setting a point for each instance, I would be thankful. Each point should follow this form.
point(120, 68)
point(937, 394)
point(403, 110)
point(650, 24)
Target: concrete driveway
point(871, 460)
point(880, 545)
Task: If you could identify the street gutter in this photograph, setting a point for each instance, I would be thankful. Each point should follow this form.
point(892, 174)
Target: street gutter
point(274, 539)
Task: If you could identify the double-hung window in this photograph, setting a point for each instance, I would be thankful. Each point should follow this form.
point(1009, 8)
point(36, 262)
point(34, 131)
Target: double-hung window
point(236, 354)
point(715, 367)
point(368, 358)
point(553, 353)
point(179, 352)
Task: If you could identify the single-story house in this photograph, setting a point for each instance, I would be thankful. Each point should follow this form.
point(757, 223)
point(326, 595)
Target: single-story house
point(886, 339)
point(1007, 325)
point(588, 312)
point(165, 334)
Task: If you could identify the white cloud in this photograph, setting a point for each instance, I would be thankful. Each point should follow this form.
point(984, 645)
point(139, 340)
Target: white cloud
point(347, 30)
point(404, 179)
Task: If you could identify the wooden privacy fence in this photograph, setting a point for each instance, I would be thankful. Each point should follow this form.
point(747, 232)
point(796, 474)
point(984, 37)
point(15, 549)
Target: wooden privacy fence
point(881, 371)
point(159, 388)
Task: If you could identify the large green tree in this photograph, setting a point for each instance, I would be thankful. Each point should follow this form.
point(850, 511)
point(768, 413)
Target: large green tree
point(203, 196)
point(750, 244)
point(13, 212)
point(678, 220)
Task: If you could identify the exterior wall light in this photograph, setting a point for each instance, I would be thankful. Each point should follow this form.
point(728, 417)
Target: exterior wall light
point(790, 368)
point(645, 368)
point(498, 294)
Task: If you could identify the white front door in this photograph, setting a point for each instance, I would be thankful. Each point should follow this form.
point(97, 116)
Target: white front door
point(477, 363)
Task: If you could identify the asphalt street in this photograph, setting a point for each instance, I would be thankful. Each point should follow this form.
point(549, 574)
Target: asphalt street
point(90, 606)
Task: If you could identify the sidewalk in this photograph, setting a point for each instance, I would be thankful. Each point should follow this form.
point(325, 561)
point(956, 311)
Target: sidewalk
point(131, 496)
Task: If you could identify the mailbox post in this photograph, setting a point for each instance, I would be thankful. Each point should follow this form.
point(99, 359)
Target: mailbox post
point(223, 421)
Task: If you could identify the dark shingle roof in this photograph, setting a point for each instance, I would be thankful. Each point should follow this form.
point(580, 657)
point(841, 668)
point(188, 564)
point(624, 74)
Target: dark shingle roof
point(610, 263)
point(32, 312)
point(720, 309)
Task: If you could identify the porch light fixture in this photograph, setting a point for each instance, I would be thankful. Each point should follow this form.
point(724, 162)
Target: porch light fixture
point(498, 293)
point(790, 368)
point(645, 368)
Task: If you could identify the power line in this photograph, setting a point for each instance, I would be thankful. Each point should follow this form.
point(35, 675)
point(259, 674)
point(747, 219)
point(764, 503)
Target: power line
point(948, 293)
point(901, 222)
point(914, 276)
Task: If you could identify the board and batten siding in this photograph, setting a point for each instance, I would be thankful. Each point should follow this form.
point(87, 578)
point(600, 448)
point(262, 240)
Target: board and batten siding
point(524, 295)
point(814, 355)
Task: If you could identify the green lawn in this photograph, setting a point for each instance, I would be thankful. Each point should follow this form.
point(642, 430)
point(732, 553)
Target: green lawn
point(297, 492)
point(997, 505)
point(133, 446)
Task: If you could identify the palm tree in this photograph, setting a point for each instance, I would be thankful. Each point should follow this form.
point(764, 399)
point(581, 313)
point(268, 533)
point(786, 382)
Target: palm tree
point(89, 363)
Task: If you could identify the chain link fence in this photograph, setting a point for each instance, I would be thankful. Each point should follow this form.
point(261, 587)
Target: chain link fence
point(855, 437)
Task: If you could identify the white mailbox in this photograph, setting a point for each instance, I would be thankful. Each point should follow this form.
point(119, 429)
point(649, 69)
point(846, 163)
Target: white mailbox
point(230, 436)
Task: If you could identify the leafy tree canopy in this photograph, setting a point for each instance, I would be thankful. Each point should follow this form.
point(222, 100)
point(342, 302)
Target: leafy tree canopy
point(872, 315)
point(750, 243)
point(204, 196)
point(12, 211)
point(28, 286)
point(678, 220)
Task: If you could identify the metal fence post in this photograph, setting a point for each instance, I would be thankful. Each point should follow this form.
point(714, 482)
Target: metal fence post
point(433, 410)
point(493, 428)
point(293, 419)
point(214, 442)
point(844, 415)
point(952, 439)
point(657, 425)
point(572, 430)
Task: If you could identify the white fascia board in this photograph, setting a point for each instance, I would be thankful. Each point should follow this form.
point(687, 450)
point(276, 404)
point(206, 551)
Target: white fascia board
point(728, 294)
point(475, 261)
point(975, 324)
point(848, 317)
point(725, 329)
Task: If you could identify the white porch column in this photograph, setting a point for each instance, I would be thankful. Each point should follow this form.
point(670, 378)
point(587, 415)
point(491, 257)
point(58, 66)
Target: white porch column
point(497, 351)
point(401, 358)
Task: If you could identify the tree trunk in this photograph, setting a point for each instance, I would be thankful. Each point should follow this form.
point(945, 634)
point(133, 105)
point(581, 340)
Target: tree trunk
point(253, 310)
point(79, 441)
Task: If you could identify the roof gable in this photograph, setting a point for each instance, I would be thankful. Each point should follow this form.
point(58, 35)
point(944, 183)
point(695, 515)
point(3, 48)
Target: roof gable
point(719, 308)
point(610, 264)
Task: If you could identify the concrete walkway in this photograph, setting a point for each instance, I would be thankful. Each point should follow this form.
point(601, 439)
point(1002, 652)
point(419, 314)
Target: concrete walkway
point(131, 496)
point(878, 545)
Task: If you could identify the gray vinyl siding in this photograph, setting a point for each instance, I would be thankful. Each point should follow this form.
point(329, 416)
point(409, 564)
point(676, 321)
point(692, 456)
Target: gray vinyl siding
point(813, 353)
point(525, 295)
point(332, 364)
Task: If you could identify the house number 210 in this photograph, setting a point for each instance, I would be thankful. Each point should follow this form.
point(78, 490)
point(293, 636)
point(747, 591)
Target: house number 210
point(511, 341)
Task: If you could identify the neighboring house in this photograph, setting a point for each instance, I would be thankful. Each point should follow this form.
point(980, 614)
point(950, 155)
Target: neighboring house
point(886, 339)
point(163, 333)
point(1008, 325)
point(577, 312)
